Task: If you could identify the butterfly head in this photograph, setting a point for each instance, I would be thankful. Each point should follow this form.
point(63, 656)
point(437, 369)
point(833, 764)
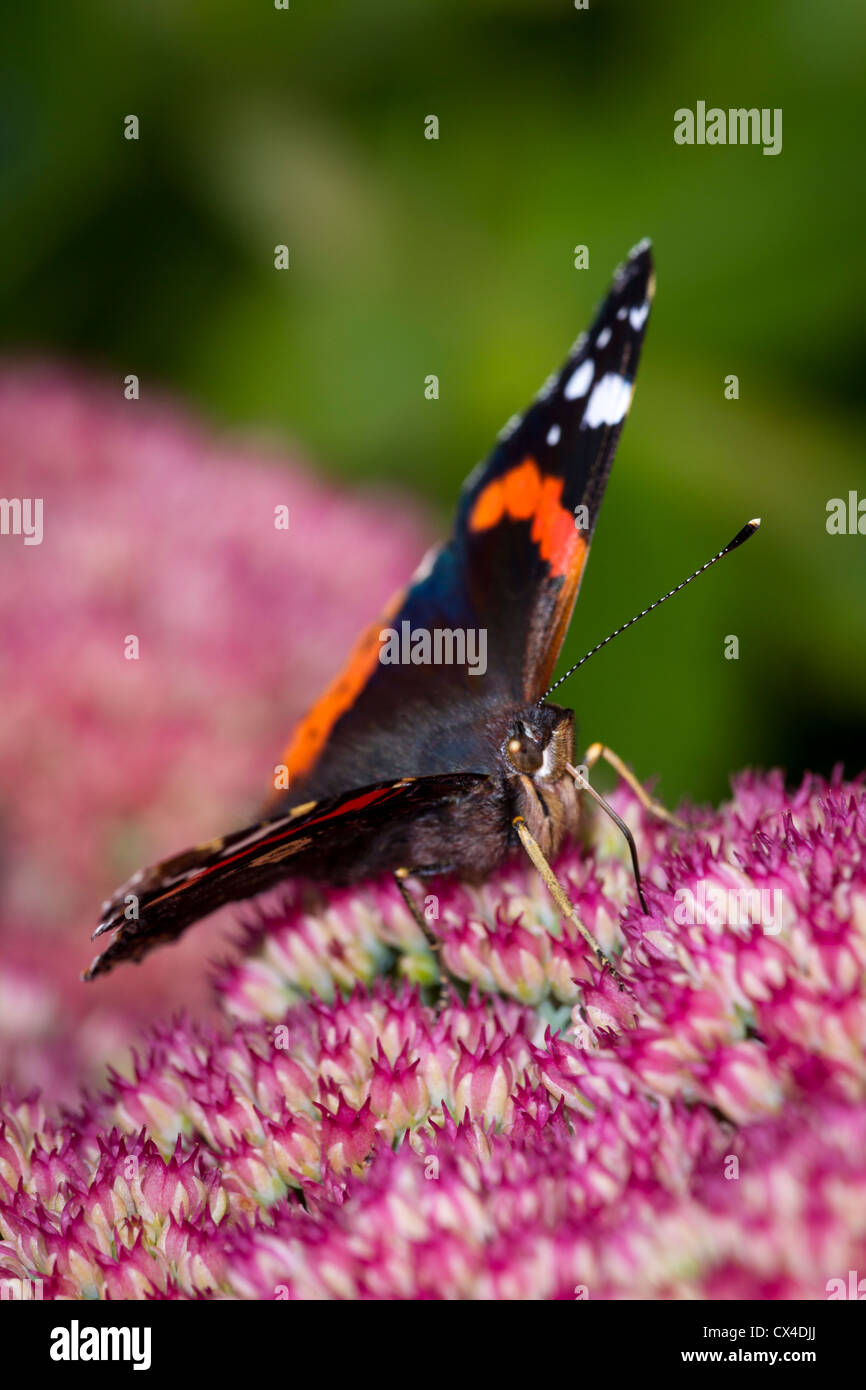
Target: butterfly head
point(540, 743)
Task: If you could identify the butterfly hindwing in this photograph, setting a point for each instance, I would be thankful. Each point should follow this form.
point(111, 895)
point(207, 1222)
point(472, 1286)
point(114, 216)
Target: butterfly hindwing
point(357, 834)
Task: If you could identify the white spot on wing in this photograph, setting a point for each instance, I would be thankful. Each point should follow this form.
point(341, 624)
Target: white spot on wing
point(554, 434)
point(621, 313)
point(603, 338)
point(580, 381)
point(637, 317)
point(426, 565)
point(609, 401)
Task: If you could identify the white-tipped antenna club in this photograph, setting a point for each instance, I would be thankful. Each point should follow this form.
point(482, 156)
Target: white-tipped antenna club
point(748, 530)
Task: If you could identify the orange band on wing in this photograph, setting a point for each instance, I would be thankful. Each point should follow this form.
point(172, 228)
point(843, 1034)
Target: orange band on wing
point(525, 494)
point(522, 488)
point(312, 733)
point(565, 601)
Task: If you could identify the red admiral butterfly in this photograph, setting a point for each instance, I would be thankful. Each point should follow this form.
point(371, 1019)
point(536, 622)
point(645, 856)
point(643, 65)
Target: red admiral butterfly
point(416, 768)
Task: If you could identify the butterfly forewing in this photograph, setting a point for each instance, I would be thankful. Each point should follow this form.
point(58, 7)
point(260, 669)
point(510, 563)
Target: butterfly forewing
point(511, 572)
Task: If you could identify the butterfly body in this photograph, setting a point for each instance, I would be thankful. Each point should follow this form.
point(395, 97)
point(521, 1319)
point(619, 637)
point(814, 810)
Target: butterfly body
point(428, 761)
point(468, 831)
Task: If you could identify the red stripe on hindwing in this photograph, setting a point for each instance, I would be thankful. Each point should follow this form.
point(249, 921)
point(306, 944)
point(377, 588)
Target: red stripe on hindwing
point(356, 804)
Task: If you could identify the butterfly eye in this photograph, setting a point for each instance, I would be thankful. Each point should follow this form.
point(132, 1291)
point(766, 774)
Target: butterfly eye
point(524, 752)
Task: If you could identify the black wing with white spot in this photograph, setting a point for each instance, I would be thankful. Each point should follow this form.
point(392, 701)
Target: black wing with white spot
point(510, 571)
point(527, 517)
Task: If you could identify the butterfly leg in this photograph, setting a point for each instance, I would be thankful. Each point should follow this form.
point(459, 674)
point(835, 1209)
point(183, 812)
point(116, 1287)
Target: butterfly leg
point(583, 784)
point(557, 892)
point(433, 942)
point(655, 808)
point(400, 876)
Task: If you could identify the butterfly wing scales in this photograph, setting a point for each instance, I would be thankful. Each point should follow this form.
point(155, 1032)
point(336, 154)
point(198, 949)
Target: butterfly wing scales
point(333, 840)
point(512, 569)
point(398, 732)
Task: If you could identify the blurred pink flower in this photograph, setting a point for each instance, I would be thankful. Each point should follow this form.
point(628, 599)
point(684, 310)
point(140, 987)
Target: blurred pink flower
point(151, 528)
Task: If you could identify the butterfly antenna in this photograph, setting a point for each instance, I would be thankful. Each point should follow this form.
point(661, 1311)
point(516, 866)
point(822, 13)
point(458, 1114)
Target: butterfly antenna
point(748, 530)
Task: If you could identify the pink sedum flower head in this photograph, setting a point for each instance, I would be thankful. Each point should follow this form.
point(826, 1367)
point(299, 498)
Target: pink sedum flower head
point(693, 1127)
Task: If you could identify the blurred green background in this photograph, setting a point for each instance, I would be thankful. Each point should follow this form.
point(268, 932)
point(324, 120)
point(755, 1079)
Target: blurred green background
point(455, 257)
